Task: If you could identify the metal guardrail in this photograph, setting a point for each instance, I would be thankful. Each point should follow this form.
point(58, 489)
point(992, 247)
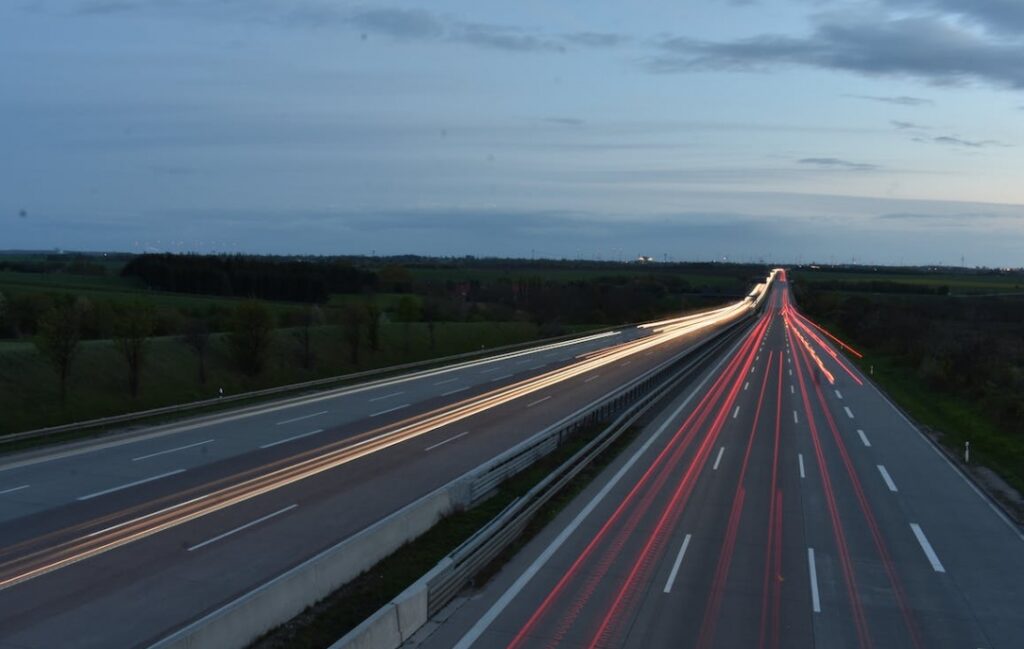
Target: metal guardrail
point(314, 384)
point(484, 546)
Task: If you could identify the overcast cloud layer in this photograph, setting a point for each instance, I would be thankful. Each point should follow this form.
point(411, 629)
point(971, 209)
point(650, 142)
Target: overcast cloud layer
point(884, 131)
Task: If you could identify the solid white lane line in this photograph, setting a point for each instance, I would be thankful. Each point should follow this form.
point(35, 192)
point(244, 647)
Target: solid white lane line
point(888, 479)
point(791, 390)
point(848, 412)
point(485, 620)
point(455, 391)
point(447, 381)
point(815, 600)
point(839, 394)
point(927, 547)
point(591, 378)
point(863, 437)
point(541, 400)
point(502, 377)
point(243, 527)
point(746, 385)
point(386, 396)
point(384, 412)
point(13, 489)
point(293, 437)
point(800, 459)
point(735, 412)
point(171, 450)
point(130, 484)
point(675, 566)
point(796, 419)
point(450, 439)
point(294, 419)
point(718, 459)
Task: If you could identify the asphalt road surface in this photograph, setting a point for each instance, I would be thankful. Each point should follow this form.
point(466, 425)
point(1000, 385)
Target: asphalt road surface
point(118, 543)
point(766, 507)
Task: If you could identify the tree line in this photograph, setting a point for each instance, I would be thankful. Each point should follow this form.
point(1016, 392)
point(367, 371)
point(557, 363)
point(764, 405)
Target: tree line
point(268, 278)
point(254, 330)
point(971, 348)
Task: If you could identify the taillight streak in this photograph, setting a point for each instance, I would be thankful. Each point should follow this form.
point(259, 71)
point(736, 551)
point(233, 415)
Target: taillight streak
point(707, 631)
point(666, 459)
point(655, 541)
point(842, 548)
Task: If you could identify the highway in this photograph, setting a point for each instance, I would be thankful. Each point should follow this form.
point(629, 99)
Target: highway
point(781, 501)
point(117, 543)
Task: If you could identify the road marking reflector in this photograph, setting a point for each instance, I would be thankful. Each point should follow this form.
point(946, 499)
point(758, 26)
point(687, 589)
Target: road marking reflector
point(450, 439)
point(927, 547)
point(815, 600)
point(292, 438)
point(888, 479)
point(310, 416)
point(170, 450)
point(243, 527)
point(384, 412)
point(130, 484)
point(675, 566)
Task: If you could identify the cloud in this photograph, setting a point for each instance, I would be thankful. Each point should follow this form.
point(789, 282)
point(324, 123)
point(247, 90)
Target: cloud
point(957, 141)
point(503, 38)
point(565, 121)
point(418, 24)
point(398, 23)
point(899, 101)
point(998, 15)
point(907, 126)
point(596, 39)
point(836, 163)
point(922, 47)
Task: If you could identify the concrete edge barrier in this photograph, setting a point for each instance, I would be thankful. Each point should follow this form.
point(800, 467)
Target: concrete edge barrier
point(282, 598)
point(396, 621)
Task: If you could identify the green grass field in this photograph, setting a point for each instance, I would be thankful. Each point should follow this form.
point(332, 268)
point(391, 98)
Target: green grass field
point(98, 386)
point(958, 283)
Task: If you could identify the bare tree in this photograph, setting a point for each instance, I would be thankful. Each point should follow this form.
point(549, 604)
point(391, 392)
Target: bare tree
point(251, 336)
point(310, 317)
point(197, 337)
point(352, 330)
point(373, 325)
point(135, 325)
point(58, 335)
point(430, 313)
point(408, 311)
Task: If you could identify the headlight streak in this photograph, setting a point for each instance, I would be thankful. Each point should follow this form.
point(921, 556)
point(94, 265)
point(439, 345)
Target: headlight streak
point(89, 542)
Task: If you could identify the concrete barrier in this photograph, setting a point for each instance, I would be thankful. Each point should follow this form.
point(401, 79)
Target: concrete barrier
point(279, 600)
point(406, 614)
